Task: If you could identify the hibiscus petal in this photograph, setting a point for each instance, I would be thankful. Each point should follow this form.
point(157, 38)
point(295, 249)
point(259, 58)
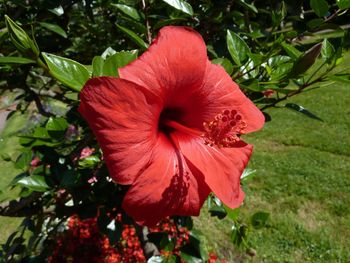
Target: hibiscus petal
point(222, 168)
point(124, 119)
point(218, 93)
point(174, 64)
point(167, 187)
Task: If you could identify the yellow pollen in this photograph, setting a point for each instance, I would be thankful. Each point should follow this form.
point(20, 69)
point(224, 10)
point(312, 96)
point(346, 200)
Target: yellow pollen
point(225, 129)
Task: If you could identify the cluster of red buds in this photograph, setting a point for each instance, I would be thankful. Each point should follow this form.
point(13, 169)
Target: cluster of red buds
point(179, 235)
point(82, 242)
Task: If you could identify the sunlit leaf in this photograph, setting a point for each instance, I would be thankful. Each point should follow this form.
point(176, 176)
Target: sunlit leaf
point(320, 7)
point(16, 60)
point(118, 60)
point(97, 66)
point(67, 71)
point(237, 47)
point(133, 36)
point(343, 4)
point(128, 10)
point(327, 50)
point(34, 182)
point(291, 51)
point(54, 28)
point(181, 5)
point(225, 63)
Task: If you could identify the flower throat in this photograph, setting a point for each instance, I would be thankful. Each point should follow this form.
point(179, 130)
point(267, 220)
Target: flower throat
point(223, 131)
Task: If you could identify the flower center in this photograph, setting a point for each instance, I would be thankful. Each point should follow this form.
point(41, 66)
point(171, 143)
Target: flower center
point(225, 129)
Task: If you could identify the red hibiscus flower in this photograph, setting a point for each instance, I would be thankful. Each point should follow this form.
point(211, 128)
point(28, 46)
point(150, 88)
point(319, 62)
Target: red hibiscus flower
point(170, 127)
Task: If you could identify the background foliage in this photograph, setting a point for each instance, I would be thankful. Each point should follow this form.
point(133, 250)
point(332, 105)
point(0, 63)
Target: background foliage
point(274, 50)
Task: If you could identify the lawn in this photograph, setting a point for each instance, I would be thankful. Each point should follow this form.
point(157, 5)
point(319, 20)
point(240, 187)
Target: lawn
point(302, 180)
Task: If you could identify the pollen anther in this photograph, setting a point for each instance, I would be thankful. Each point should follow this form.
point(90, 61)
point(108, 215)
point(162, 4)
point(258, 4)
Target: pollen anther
point(224, 130)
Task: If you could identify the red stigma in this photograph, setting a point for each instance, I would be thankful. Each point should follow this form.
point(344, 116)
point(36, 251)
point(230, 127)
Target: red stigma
point(225, 129)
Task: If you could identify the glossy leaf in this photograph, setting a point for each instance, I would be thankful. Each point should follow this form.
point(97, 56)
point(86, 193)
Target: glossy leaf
point(20, 38)
point(34, 182)
point(23, 160)
point(343, 4)
point(291, 51)
point(320, 7)
point(67, 71)
point(56, 127)
point(250, 7)
point(302, 110)
point(58, 11)
point(181, 5)
point(134, 37)
point(16, 60)
point(237, 47)
point(54, 28)
point(225, 63)
point(247, 175)
point(129, 11)
point(118, 60)
point(97, 66)
point(327, 51)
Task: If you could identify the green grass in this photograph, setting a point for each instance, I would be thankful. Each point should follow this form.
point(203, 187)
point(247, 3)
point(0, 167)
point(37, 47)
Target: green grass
point(303, 181)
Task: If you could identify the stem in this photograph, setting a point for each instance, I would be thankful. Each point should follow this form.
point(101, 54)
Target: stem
point(148, 28)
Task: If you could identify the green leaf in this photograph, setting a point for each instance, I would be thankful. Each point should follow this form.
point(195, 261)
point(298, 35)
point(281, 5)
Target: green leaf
point(54, 28)
point(58, 11)
point(225, 63)
point(180, 5)
point(97, 66)
point(341, 78)
point(23, 160)
point(193, 251)
point(327, 50)
point(306, 61)
point(89, 162)
point(250, 7)
point(237, 47)
point(16, 60)
point(34, 182)
point(291, 51)
point(343, 4)
point(302, 110)
point(129, 11)
point(259, 219)
point(170, 21)
point(20, 38)
point(56, 127)
point(67, 71)
point(118, 60)
point(232, 213)
point(132, 35)
point(247, 175)
point(320, 7)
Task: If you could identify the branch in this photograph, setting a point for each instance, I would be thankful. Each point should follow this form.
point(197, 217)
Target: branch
point(21, 207)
